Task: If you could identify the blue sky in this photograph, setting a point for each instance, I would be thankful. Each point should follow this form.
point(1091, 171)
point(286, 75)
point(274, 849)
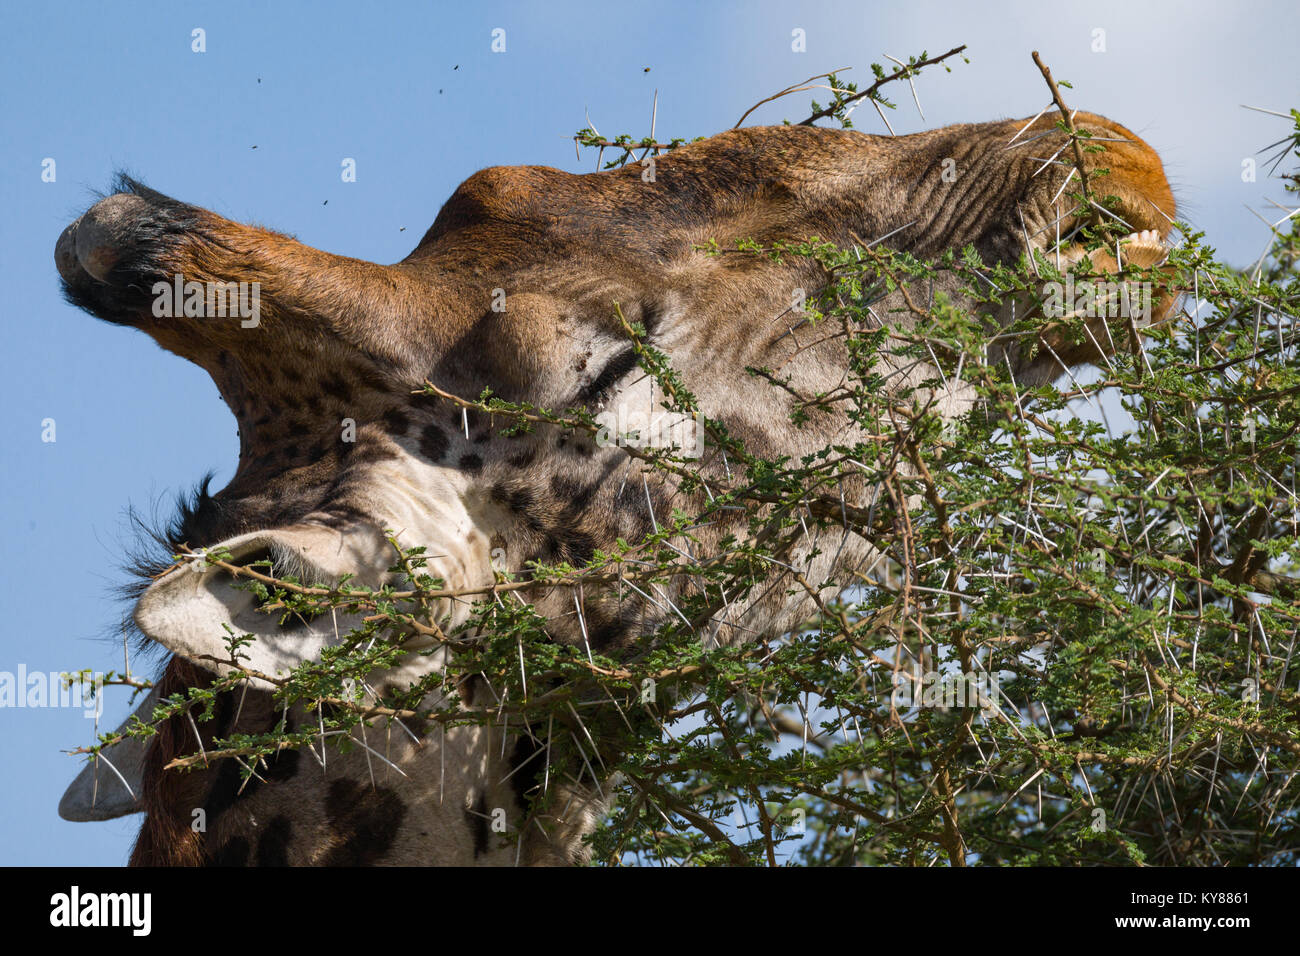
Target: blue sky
point(413, 92)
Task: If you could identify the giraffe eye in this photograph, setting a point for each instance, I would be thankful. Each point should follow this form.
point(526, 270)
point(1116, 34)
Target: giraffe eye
point(599, 388)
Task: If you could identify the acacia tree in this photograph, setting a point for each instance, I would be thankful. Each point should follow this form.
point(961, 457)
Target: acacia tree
point(1077, 647)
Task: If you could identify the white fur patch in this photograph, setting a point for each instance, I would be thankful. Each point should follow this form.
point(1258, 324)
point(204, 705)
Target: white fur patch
point(189, 610)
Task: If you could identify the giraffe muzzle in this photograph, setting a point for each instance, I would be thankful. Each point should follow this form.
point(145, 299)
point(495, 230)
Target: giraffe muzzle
point(100, 238)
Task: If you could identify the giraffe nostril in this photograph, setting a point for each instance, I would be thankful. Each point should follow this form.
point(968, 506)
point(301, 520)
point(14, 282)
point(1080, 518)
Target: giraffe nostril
point(104, 234)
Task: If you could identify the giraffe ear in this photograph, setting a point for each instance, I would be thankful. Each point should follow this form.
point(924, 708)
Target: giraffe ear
point(110, 787)
point(193, 609)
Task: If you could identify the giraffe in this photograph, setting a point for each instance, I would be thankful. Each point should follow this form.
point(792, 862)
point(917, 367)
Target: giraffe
point(511, 288)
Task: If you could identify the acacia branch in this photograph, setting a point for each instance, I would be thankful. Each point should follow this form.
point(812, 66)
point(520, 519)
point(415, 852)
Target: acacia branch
point(1068, 120)
point(901, 72)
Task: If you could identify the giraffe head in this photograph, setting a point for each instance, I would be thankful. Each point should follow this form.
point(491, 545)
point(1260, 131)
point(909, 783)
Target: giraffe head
point(320, 359)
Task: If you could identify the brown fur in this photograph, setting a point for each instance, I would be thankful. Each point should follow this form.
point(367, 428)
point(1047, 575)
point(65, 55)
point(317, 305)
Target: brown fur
point(166, 839)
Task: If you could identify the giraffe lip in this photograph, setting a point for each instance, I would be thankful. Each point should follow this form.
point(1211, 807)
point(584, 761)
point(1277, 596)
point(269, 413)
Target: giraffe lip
point(114, 251)
point(107, 232)
point(99, 238)
point(65, 253)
